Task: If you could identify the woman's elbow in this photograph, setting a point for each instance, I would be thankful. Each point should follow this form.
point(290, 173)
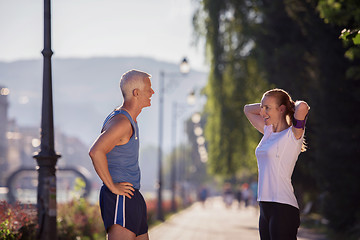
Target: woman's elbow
point(302, 105)
point(246, 107)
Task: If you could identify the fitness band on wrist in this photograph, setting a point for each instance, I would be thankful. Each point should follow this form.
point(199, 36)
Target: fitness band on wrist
point(299, 123)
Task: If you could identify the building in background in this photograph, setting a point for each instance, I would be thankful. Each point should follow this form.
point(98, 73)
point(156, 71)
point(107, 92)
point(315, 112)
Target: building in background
point(17, 147)
point(4, 104)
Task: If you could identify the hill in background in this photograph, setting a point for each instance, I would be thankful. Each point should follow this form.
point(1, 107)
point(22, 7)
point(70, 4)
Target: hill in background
point(86, 90)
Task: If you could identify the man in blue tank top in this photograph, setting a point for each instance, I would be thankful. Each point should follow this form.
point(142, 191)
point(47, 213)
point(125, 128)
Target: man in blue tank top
point(115, 158)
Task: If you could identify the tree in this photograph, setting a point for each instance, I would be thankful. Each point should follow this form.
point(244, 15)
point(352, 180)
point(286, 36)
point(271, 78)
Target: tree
point(232, 78)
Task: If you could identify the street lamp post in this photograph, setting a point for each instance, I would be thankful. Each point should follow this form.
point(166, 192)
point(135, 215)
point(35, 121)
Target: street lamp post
point(184, 69)
point(174, 175)
point(160, 214)
point(47, 158)
point(173, 164)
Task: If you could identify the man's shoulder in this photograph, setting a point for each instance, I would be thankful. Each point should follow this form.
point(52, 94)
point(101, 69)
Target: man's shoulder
point(118, 121)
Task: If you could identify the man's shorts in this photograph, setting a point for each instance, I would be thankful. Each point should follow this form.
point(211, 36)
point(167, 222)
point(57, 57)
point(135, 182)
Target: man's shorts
point(128, 213)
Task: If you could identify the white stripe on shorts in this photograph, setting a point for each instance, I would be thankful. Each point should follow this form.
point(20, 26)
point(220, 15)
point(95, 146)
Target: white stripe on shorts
point(116, 208)
point(123, 210)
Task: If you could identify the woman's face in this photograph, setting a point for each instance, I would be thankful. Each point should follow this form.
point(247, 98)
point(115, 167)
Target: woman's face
point(270, 110)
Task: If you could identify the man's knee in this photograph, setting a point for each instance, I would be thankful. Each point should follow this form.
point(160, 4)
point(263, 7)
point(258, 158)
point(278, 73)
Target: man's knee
point(118, 232)
point(143, 237)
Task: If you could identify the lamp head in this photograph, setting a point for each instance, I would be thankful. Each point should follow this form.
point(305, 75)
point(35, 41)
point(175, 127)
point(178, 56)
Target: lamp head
point(191, 98)
point(184, 66)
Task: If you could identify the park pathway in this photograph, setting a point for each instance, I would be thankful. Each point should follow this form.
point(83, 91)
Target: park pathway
point(214, 221)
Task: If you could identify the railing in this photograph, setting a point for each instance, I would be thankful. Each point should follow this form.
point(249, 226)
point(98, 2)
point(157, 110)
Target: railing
point(24, 180)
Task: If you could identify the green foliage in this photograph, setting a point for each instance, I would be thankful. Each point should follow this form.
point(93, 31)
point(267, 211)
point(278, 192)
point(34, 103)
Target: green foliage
point(345, 14)
point(79, 219)
point(79, 188)
point(5, 232)
point(352, 35)
point(291, 44)
point(230, 137)
point(356, 38)
point(17, 221)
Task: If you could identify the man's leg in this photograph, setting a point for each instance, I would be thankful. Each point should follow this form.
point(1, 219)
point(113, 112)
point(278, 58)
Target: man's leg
point(143, 237)
point(117, 232)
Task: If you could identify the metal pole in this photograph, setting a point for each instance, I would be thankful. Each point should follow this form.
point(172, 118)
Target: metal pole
point(47, 158)
point(184, 173)
point(160, 214)
point(173, 164)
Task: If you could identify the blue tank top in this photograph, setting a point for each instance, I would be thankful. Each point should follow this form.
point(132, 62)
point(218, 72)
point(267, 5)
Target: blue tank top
point(123, 160)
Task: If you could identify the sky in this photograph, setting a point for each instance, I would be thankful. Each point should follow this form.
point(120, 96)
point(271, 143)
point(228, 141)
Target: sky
point(160, 29)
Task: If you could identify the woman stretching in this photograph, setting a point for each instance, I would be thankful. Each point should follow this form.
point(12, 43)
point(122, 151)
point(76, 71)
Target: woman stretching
point(282, 122)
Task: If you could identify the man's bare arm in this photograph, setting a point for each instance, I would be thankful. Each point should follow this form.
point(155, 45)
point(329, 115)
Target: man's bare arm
point(117, 131)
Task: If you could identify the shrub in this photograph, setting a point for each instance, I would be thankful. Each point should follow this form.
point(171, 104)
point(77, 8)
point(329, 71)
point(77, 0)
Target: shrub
point(79, 219)
point(17, 221)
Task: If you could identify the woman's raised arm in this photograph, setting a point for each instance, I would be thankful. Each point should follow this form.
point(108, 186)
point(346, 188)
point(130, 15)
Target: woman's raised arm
point(252, 112)
point(300, 116)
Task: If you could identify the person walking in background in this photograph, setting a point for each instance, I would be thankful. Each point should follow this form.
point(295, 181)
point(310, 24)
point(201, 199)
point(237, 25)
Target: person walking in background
point(246, 194)
point(203, 195)
point(238, 195)
point(115, 156)
point(254, 189)
point(228, 195)
point(282, 123)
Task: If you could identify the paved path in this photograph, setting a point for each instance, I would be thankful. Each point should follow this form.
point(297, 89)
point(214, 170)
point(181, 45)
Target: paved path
point(215, 222)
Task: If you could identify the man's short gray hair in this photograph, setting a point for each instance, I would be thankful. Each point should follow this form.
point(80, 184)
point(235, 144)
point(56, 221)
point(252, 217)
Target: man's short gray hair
point(131, 80)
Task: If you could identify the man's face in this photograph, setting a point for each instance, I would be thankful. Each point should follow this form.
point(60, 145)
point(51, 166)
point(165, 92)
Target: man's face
point(146, 93)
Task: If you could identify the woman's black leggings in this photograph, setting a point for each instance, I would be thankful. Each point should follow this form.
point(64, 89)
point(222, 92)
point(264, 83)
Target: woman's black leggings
point(278, 221)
